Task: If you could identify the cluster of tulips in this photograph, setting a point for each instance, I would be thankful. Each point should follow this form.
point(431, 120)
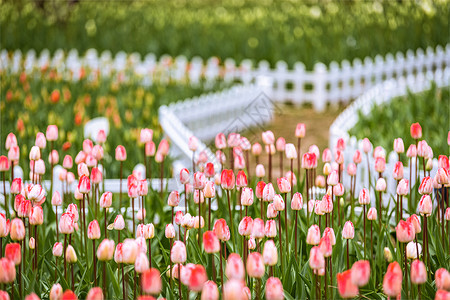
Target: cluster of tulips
point(221, 243)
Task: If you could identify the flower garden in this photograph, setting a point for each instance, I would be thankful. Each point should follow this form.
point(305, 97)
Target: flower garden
point(269, 219)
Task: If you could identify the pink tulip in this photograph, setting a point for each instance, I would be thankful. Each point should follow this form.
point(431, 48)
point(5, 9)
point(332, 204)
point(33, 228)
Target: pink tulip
point(255, 265)
point(211, 242)
point(297, 201)
point(220, 141)
point(316, 258)
point(95, 293)
point(234, 290)
point(73, 210)
point(71, 255)
point(270, 253)
point(235, 267)
point(330, 232)
point(256, 149)
point(36, 216)
point(56, 292)
point(197, 278)
point(284, 185)
point(234, 140)
point(53, 157)
point(425, 205)
point(380, 164)
point(348, 232)
point(405, 232)
point(364, 197)
point(313, 236)
point(326, 155)
point(119, 223)
point(174, 199)
point(178, 252)
point(80, 158)
point(346, 287)
point(210, 190)
point(41, 141)
point(247, 196)
point(246, 226)
point(57, 249)
point(245, 144)
point(17, 231)
point(35, 153)
point(4, 163)
point(397, 173)
point(87, 146)
point(351, 169)
point(442, 279)
point(93, 231)
point(426, 186)
point(221, 230)
point(291, 151)
point(8, 268)
point(210, 291)
point(241, 179)
point(151, 282)
point(418, 272)
point(141, 264)
point(372, 214)
point(209, 170)
point(442, 176)
point(399, 147)
point(325, 246)
point(392, 282)
point(84, 184)
point(412, 151)
point(380, 185)
point(360, 273)
point(422, 148)
point(11, 140)
point(127, 252)
point(333, 178)
point(227, 179)
point(300, 130)
point(274, 289)
point(184, 176)
point(66, 223)
point(403, 187)
point(105, 250)
point(268, 137)
point(121, 153)
point(258, 230)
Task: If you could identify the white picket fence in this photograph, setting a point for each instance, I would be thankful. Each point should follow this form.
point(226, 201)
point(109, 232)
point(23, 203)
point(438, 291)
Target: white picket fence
point(232, 110)
point(339, 83)
point(381, 93)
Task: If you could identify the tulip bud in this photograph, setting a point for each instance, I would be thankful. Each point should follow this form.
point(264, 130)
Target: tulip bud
point(141, 263)
point(268, 192)
point(17, 231)
point(271, 211)
point(360, 273)
point(397, 173)
point(426, 186)
point(412, 151)
point(412, 249)
point(278, 203)
point(372, 214)
point(32, 243)
point(121, 153)
point(211, 243)
point(270, 253)
point(220, 141)
point(333, 178)
point(235, 267)
point(93, 232)
point(326, 156)
point(284, 185)
point(221, 230)
point(8, 268)
point(297, 201)
point(170, 231)
point(255, 265)
point(251, 243)
point(84, 184)
point(256, 149)
point(71, 256)
point(36, 216)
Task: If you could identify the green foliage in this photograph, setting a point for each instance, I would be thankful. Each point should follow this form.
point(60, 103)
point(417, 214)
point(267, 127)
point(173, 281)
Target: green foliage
point(392, 120)
point(310, 32)
point(26, 108)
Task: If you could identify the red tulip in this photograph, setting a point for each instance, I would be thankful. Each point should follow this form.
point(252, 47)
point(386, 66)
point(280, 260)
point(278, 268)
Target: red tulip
point(416, 131)
point(227, 179)
point(69, 295)
point(211, 242)
point(209, 170)
point(12, 252)
point(345, 286)
point(151, 282)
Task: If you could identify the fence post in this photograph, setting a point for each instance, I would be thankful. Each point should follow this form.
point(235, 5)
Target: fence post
point(320, 82)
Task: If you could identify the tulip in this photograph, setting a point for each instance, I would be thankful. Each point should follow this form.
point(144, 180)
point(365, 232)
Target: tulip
point(197, 278)
point(346, 287)
point(413, 250)
point(234, 290)
point(270, 230)
point(274, 289)
point(360, 273)
point(8, 274)
point(380, 185)
point(151, 282)
point(12, 252)
point(220, 141)
point(141, 263)
point(316, 258)
point(57, 249)
point(442, 295)
point(234, 268)
point(426, 186)
point(405, 231)
point(71, 256)
point(95, 293)
point(416, 131)
point(17, 231)
point(105, 250)
point(69, 295)
point(255, 265)
point(56, 292)
point(270, 255)
point(442, 279)
point(392, 282)
point(251, 243)
point(210, 291)
point(178, 252)
point(313, 236)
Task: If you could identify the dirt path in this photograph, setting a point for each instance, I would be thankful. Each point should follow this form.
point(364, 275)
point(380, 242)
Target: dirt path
point(284, 123)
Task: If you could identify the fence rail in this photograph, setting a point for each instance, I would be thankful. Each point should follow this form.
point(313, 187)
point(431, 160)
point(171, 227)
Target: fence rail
point(381, 93)
point(337, 83)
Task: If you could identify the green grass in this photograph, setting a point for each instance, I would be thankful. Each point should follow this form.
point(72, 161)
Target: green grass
point(292, 31)
point(393, 119)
